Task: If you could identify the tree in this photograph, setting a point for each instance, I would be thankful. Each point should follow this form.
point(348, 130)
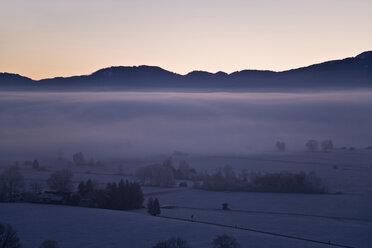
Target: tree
point(326, 145)
point(172, 243)
point(312, 145)
point(156, 207)
point(61, 181)
point(157, 175)
point(49, 244)
point(225, 241)
point(225, 206)
point(8, 237)
point(280, 145)
point(82, 188)
point(35, 187)
point(153, 206)
point(78, 158)
point(11, 181)
point(35, 164)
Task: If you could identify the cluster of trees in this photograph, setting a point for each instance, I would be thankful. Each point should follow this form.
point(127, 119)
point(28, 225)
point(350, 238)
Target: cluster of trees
point(220, 241)
point(9, 239)
point(153, 206)
point(225, 179)
point(311, 145)
point(11, 183)
point(280, 146)
point(314, 145)
point(79, 159)
point(119, 196)
point(164, 174)
point(61, 181)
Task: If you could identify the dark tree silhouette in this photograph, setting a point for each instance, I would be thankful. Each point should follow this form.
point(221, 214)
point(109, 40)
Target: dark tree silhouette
point(11, 182)
point(312, 145)
point(225, 206)
point(172, 243)
point(326, 145)
point(153, 206)
point(9, 237)
point(61, 181)
point(156, 207)
point(35, 164)
point(225, 241)
point(280, 145)
point(78, 158)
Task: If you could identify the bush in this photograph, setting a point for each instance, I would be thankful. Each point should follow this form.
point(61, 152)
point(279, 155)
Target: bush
point(9, 237)
point(225, 241)
point(225, 206)
point(172, 243)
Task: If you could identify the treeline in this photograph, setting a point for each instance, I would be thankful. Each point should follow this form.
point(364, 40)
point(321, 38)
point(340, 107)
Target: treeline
point(165, 174)
point(124, 195)
point(225, 179)
point(119, 196)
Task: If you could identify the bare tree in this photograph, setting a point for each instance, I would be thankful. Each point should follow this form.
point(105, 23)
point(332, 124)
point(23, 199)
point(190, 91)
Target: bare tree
point(8, 237)
point(11, 181)
point(78, 158)
point(61, 181)
point(326, 145)
point(280, 145)
point(172, 243)
point(35, 187)
point(312, 145)
point(225, 241)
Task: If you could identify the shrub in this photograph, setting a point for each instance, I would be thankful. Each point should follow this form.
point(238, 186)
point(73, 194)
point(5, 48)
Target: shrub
point(172, 243)
point(225, 241)
point(8, 237)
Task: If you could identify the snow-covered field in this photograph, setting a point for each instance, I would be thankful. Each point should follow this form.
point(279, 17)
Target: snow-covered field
point(84, 227)
point(340, 218)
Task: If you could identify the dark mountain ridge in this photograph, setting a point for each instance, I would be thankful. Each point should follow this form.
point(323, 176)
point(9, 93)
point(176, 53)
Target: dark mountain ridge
point(348, 73)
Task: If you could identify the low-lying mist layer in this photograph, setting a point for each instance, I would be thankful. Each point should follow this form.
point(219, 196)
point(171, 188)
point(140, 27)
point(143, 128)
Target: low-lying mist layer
point(144, 123)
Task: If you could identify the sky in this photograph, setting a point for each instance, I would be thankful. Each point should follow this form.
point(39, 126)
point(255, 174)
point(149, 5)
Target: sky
point(49, 38)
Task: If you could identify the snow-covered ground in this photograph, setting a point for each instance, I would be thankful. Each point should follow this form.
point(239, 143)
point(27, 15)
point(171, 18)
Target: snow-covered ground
point(85, 227)
point(340, 218)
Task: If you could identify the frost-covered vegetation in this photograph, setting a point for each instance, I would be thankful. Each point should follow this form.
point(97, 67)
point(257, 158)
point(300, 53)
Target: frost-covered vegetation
point(282, 182)
point(123, 195)
point(120, 196)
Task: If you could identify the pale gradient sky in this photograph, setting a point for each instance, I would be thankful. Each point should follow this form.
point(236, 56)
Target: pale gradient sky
point(48, 38)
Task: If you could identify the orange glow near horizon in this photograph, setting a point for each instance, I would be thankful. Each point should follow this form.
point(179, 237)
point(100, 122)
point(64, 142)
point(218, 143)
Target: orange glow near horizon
point(42, 39)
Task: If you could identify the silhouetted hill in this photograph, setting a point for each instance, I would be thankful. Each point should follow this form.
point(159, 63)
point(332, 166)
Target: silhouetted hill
point(355, 72)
